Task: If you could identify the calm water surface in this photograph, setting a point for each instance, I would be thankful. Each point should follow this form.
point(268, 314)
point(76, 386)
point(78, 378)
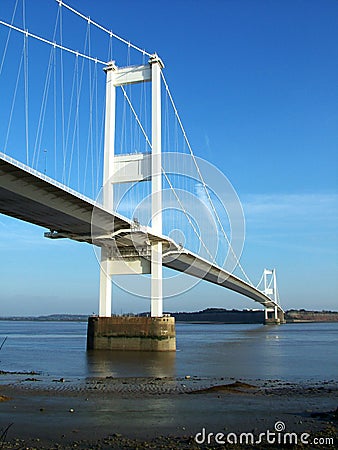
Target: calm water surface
point(294, 352)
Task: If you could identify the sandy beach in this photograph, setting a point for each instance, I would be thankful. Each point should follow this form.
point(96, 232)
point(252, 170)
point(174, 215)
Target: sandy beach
point(127, 413)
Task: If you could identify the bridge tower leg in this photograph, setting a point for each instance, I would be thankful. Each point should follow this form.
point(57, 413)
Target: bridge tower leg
point(108, 200)
point(156, 189)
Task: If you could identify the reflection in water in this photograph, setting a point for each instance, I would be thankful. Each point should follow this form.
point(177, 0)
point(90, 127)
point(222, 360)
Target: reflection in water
point(125, 364)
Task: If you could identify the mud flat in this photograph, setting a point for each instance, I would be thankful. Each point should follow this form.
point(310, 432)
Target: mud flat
point(122, 413)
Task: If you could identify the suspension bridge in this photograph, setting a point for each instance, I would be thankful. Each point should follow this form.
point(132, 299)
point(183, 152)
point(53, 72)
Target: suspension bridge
point(123, 175)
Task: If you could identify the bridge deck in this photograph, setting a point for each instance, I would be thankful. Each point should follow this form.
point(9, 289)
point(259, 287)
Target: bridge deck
point(33, 197)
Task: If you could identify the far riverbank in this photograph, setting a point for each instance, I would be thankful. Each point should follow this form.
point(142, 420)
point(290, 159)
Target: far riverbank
point(209, 315)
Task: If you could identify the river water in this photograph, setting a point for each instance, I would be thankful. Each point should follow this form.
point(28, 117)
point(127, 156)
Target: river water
point(293, 352)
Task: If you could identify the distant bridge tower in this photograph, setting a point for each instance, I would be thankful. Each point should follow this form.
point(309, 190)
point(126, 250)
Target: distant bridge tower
point(270, 284)
point(138, 167)
point(275, 314)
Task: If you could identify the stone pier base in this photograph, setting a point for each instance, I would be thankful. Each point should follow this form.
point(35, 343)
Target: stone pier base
point(272, 321)
point(270, 318)
point(131, 333)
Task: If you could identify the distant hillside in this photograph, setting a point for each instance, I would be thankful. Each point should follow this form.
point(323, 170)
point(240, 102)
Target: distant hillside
point(294, 315)
point(208, 315)
point(50, 318)
point(221, 315)
point(216, 315)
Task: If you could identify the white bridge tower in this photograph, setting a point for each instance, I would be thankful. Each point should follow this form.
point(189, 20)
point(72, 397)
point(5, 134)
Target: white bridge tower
point(270, 289)
point(144, 168)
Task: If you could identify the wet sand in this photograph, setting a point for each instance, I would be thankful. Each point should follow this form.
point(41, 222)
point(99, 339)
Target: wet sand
point(156, 412)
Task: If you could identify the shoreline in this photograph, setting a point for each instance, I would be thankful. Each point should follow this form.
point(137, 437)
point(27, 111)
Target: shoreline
point(108, 412)
point(206, 316)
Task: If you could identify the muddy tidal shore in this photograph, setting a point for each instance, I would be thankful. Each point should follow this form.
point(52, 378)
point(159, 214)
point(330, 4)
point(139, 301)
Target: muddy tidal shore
point(129, 413)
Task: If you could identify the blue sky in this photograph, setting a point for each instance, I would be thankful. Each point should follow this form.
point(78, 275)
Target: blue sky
point(255, 83)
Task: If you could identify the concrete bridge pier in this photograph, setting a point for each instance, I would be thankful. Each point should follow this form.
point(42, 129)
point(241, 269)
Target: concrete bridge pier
point(131, 333)
point(274, 316)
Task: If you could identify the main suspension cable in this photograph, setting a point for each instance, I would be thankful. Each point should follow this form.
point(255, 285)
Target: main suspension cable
point(111, 34)
point(54, 44)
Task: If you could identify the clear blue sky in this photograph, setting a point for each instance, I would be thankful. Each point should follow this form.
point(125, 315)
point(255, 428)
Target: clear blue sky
point(255, 83)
